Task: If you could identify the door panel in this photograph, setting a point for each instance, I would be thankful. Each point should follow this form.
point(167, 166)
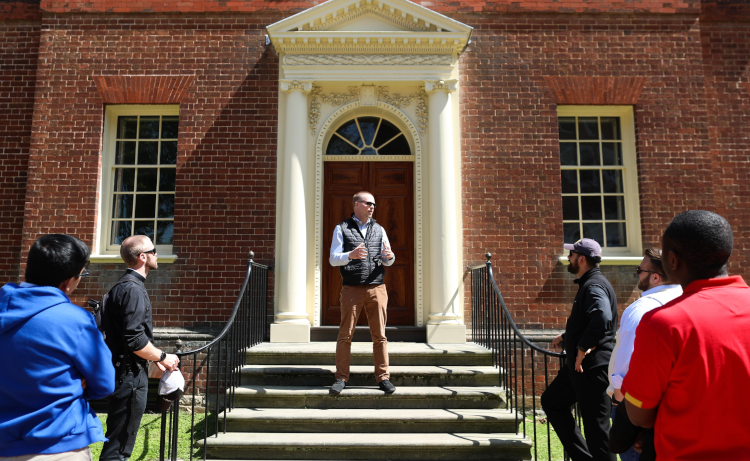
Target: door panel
point(391, 184)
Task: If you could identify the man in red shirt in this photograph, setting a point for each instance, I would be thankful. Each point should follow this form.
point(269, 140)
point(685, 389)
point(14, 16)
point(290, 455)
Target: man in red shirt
point(690, 369)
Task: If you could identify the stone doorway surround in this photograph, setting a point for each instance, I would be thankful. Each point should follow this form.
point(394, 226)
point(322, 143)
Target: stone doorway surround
point(341, 59)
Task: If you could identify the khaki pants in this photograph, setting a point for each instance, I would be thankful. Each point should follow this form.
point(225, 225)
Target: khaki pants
point(82, 454)
point(373, 299)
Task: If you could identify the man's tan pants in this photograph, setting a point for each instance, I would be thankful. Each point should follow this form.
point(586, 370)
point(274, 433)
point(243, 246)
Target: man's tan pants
point(373, 299)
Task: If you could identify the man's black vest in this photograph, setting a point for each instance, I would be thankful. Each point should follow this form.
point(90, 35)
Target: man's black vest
point(368, 271)
point(579, 321)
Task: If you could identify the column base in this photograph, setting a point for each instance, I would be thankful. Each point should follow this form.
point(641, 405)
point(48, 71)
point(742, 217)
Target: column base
point(446, 334)
point(290, 333)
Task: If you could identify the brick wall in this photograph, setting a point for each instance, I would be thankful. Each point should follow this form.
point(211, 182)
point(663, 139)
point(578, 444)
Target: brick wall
point(19, 48)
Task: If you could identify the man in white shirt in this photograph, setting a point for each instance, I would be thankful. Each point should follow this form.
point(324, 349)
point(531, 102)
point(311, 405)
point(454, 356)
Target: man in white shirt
point(657, 291)
point(361, 249)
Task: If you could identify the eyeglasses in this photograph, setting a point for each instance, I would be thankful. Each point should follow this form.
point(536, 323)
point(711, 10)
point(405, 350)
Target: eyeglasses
point(152, 251)
point(84, 273)
point(638, 271)
point(368, 203)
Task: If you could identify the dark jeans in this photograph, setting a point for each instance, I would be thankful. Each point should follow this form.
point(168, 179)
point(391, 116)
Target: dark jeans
point(589, 390)
point(124, 412)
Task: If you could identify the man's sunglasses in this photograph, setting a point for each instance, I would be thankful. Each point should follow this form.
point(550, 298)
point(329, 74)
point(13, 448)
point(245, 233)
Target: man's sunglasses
point(152, 251)
point(84, 273)
point(638, 271)
point(368, 203)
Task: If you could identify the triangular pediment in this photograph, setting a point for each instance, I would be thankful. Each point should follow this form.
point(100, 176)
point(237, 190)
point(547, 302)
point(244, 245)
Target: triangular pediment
point(339, 24)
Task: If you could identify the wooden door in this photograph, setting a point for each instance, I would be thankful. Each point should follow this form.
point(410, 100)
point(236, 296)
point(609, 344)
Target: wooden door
point(391, 184)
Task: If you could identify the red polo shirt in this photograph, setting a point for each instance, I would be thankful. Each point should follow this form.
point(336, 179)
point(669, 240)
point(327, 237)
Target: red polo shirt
point(692, 359)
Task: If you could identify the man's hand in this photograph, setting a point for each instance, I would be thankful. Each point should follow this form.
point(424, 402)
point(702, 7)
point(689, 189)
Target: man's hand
point(557, 341)
point(638, 443)
point(580, 357)
point(618, 395)
point(169, 363)
point(358, 253)
point(386, 252)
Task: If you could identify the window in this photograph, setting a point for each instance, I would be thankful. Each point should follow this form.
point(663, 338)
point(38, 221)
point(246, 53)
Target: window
point(368, 136)
point(598, 177)
point(140, 158)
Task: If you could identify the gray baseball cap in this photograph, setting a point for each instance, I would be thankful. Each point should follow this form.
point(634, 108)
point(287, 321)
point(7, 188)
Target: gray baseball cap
point(586, 247)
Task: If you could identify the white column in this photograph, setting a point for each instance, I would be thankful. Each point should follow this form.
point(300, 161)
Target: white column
point(292, 323)
point(444, 324)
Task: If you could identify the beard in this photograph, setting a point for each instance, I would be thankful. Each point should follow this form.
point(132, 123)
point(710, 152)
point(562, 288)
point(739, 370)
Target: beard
point(644, 285)
point(152, 265)
point(573, 268)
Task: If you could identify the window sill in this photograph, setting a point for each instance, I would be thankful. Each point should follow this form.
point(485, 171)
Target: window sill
point(611, 260)
point(116, 259)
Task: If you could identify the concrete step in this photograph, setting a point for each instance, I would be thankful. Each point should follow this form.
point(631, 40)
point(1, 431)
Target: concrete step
point(370, 397)
point(312, 420)
point(363, 375)
point(366, 446)
point(399, 354)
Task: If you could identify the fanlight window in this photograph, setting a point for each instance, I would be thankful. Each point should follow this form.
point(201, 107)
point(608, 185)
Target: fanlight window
point(368, 136)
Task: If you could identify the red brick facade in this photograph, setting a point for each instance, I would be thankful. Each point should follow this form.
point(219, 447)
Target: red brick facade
point(683, 65)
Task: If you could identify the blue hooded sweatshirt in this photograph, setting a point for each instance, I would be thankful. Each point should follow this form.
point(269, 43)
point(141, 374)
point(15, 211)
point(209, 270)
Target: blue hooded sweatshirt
point(48, 344)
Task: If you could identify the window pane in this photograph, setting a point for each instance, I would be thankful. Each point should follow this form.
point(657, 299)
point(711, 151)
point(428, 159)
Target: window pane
point(168, 154)
point(590, 182)
point(612, 180)
point(610, 127)
point(149, 128)
point(568, 153)
point(612, 153)
point(124, 179)
point(591, 207)
point(593, 230)
point(614, 207)
point(125, 153)
point(570, 208)
point(144, 228)
point(145, 206)
point(164, 232)
point(148, 152)
point(368, 125)
point(338, 146)
point(399, 146)
point(569, 181)
point(169, 127)
point(166, 206)
point(386, 132)
point(369, 151)
point(589, 153)
point(567, 128)
point(588, 128)
point(127, 127)
point(616, 234)
point(350, 132)
point(166, 179)
point(571, 232)
point(122, 206)
point(147, 179)
point(120, 231)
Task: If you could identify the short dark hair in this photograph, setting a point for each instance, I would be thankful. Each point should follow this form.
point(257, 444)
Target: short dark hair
point(703, 239)
point(654, 254)
point(592, 261)
point(359, 196)
point(55, 258)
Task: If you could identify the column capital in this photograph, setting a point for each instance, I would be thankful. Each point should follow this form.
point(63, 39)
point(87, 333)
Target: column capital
point(288, 85)
point(446, 85)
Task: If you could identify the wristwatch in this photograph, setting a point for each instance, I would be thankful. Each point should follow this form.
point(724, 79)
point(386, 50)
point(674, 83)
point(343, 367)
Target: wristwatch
point(162, 356)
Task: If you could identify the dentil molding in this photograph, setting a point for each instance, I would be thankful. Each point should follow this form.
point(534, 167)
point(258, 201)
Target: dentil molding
point(368, 60)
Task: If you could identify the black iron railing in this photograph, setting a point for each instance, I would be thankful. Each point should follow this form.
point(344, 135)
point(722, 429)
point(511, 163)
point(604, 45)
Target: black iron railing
point(525, 368)
point(218, 365)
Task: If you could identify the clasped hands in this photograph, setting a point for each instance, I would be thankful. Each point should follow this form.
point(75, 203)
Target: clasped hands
point(361, 252)
point(557, 342)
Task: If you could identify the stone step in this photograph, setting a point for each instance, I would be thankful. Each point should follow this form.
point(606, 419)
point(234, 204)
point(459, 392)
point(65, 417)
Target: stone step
point(399, 354)
point(366, 446)
point(370, 397)
point(362, 375)
point(312, 420)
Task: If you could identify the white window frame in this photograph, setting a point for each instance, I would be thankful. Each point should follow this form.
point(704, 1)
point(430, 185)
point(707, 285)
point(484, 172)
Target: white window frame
point(105, 251)
point(633, 252)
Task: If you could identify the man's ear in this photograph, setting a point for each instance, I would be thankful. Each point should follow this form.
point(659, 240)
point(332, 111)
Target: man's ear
point(68, 285)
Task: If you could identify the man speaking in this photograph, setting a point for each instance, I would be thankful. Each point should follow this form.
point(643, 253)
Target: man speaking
point(361, 249)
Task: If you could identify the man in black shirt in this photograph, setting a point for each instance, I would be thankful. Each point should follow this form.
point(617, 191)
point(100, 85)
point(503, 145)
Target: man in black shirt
point(588, 342)
point(126, 319)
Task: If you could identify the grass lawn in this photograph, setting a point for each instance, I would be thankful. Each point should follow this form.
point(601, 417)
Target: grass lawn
point(543, 441)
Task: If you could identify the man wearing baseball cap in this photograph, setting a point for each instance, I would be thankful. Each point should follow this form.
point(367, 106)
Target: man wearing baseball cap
point(588, 341)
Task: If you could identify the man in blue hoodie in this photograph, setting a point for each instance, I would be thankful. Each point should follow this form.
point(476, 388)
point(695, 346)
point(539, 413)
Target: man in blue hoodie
point(54, 359)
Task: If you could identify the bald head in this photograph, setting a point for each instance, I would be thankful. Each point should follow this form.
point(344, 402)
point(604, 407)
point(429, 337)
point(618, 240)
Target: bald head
point(132, 247)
